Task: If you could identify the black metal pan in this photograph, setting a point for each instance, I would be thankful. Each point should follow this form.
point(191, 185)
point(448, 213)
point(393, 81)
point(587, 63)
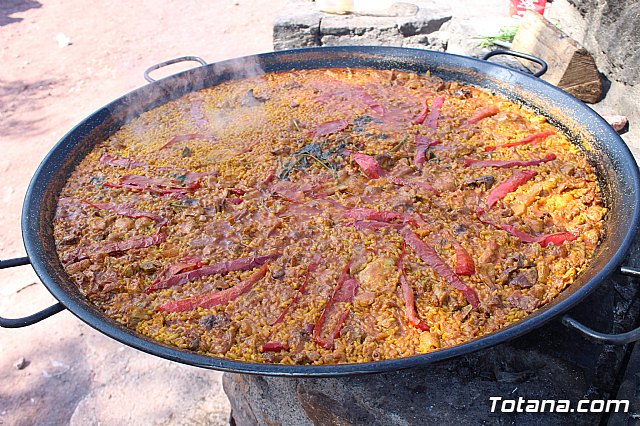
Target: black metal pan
point(616, 169)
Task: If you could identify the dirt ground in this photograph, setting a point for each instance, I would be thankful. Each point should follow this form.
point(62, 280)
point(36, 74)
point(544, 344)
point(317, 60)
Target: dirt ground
point(59, 62)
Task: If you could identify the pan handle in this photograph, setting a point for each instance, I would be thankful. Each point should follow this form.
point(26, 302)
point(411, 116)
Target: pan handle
point(604, 338)
point(31, 319)
point(170, 62)
point(543, 65)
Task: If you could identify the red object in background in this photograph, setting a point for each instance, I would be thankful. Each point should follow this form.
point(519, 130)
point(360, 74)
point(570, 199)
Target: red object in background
point(518, 7)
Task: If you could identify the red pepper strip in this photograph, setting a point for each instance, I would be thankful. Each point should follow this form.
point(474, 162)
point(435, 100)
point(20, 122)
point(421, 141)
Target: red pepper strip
point(312, 268)
point(369, 101)
point(409, 305)
point(373, 224)
point(288, 192)
point(215, 298)
point(544, 240)
point(234, 200)
point(110, 247)
point(158, 186)
point(368, 164)
point(464, 261)
point(129, 212)
point(408, 296)
point(343, 295)
point(373, 170)
point(274, 347)
point(431, 258)
point(341, 319)
point(330, 127)
point(122, 162)
point(239, 264)
point(519, 177)
point(529, 139)
point(269, 178)
point(237, 191)
point(182, 138)
point(505, 164)
point(423, 115)
point(384, 216)
point(174, 192)
point(420, 157)
point(186, 263)
point(414, 184)
point(431, 120)
point(423, 143)
point(483, 113)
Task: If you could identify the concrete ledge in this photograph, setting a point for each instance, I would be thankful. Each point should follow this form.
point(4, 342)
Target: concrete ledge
point(415, 24)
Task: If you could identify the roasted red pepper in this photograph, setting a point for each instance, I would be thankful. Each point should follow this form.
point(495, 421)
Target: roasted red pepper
point(383, 216)
point(500, 191)
point(330, 127)
point(414, 184)
point(185, 264)
point(345, 290)
point(408, 296)
point(109, 247)
point(313, 266)
point(158, 186)
point(274, 347)
point(544, 240)
point(483, 113)
point(431, 120)
point(423, 144)
point(214, 298)
point(373, 224)
point(464, 261)
point(368, 164)
point(529, 139)
point(423, 115)
point(431, 258)
point(369, 101)
point(239, 264)
point(122, 162)
point(505, 164)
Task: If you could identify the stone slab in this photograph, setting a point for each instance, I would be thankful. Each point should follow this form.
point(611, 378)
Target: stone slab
point(409, 24)
point(297, 25)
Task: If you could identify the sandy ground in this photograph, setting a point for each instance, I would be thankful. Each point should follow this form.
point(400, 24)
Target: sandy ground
point(61, 371)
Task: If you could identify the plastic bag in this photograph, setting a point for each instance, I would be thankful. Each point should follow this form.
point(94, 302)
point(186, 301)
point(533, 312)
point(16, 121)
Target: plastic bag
point(518, 7)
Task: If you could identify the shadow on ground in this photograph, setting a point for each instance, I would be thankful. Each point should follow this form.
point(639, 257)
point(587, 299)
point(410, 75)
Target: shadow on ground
point(9, 7)
point(19, 97)
point(48, 388)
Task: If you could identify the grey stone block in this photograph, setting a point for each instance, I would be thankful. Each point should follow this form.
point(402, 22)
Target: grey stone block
point(340, 25)
point(426, 21)
point(411, 24)
point(297, 25)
